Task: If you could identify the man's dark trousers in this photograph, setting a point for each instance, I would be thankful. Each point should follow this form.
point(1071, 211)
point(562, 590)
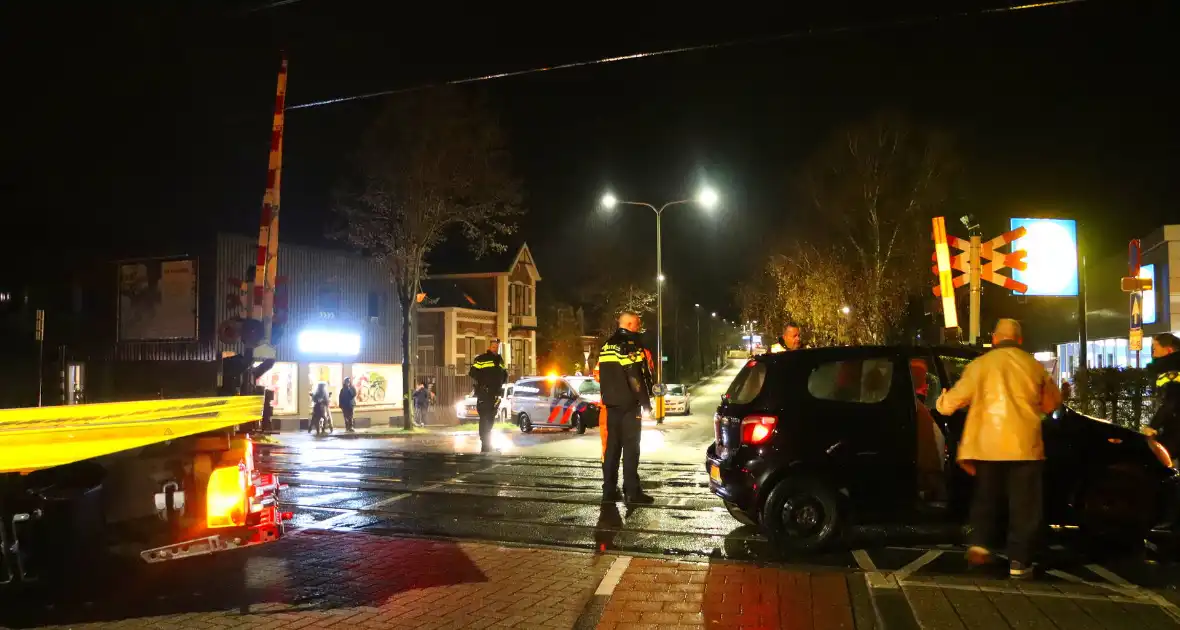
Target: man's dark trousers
point(1022, 483)
point(487, 417)
point(623, 427)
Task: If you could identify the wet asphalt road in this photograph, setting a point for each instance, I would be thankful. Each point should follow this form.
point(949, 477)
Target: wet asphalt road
point(544, 489)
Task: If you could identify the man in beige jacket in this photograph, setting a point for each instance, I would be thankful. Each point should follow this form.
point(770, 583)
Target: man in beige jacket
point(1008, 393)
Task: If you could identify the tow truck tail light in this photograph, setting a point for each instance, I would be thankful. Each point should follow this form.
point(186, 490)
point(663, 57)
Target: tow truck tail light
point(226, 496)
point(757, 429)
point(1160, 452)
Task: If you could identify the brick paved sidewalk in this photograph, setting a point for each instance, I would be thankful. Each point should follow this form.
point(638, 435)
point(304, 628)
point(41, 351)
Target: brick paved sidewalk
point(322, 579)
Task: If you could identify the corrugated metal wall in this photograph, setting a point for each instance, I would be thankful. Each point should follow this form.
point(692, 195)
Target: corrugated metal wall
point(309, 273)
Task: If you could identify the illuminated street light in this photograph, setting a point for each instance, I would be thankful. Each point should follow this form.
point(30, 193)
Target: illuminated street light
point(707, 198)
point(845, 310)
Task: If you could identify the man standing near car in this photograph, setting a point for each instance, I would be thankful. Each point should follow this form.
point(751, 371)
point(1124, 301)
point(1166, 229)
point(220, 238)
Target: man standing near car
point(1165, 370)
point(489, 374)
point(792, 339)
point(1008, 393)
point(626, 389)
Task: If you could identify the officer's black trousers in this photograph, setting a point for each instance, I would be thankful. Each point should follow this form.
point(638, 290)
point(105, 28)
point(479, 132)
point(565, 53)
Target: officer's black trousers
point(487, 417)
point(623, 427)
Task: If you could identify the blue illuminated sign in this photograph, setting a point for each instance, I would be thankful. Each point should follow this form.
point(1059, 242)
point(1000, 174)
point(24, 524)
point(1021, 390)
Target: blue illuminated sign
point(1052, 246)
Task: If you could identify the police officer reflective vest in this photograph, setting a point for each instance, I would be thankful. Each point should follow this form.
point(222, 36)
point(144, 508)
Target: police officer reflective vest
point(489, 374)
point(624, 372)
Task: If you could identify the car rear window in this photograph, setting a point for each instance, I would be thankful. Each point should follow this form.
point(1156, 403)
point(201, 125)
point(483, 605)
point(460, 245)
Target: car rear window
point(676, 390)
point(864, 381)
point(747, 384)
point(589, 387)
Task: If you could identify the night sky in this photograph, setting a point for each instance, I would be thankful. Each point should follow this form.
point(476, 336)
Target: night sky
point(135, 131)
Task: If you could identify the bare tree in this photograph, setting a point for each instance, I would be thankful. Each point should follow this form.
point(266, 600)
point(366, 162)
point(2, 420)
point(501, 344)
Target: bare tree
point(433, 163)
point(876, 185)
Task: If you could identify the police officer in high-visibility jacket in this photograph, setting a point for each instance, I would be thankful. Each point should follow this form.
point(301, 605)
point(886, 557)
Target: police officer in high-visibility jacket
point(792, 339)
point(626, 383)
point(489, 374)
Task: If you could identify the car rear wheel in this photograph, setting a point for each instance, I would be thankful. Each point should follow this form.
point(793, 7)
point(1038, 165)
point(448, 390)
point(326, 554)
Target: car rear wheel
point(526, 425)
point(739, 514)
point(579, 424)
point(802, 515)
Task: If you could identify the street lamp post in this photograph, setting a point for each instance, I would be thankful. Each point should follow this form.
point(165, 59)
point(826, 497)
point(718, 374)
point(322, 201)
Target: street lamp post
point(707, 198)
point(700, 354)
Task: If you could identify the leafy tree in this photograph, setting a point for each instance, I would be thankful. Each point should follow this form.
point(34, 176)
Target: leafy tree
point(560, 338)
point(875, 186)
point(433, 163)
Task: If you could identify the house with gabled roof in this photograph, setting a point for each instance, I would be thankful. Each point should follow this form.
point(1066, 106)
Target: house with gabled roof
point(463, 307)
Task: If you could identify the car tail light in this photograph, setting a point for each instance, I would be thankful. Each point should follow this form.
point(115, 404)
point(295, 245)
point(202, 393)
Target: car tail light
point(1160, 452)
point(757, 429)
point(225, 497)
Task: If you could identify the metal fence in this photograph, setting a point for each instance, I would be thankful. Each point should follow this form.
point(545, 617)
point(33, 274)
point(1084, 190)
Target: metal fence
point(450, 385)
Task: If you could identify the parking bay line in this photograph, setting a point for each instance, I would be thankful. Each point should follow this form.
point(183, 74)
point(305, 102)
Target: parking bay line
point(592, 611)
point(332, 520)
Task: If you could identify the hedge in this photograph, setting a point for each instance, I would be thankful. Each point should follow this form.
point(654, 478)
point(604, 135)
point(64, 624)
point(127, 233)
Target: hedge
point(1121, 395)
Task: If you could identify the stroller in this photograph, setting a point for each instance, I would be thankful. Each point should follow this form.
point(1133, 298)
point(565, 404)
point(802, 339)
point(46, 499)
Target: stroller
point(321, 414)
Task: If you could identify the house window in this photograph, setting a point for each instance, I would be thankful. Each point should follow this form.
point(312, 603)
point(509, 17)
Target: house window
point(520, 299)
point(328, 299)
point(426, 351)
point(374, 309)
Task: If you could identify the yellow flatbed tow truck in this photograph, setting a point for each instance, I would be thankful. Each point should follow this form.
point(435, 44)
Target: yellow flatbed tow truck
point(169, 479)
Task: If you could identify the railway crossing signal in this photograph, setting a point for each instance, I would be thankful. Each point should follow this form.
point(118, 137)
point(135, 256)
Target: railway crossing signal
point(974, 271)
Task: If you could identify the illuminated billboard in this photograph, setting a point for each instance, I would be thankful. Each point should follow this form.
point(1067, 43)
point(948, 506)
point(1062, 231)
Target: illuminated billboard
point(1052, 246)
point(1148, 272)
point(158, 300)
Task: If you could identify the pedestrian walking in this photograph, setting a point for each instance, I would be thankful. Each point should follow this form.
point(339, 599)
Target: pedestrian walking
point(348, 404)
point(1008, 394)
point(421, 404)
point(1165, 368)
point(489, 374)
point(791, 339)
point(625, 380)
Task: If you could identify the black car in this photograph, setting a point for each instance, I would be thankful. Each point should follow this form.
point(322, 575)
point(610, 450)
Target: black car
point(810, 441)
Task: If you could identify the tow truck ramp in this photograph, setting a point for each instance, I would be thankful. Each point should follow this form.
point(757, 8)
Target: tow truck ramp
point(43, 437)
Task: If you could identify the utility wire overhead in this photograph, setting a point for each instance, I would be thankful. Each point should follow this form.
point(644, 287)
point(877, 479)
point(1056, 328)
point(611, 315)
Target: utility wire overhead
point(753, 41)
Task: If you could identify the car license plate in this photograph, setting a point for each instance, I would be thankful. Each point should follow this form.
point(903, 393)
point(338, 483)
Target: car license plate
point(714, 473)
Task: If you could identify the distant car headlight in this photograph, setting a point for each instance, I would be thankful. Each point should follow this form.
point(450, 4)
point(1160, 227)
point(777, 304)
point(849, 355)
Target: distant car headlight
point(460, 408)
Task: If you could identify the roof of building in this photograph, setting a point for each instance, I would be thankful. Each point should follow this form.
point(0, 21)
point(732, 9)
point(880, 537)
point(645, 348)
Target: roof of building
point(453, 261)
point(448, 294)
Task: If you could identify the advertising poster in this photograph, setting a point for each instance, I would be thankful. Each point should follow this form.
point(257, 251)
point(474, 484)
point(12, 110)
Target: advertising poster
point(282, 379)
point(377, 384)
point(158, 300)
point(330, 373)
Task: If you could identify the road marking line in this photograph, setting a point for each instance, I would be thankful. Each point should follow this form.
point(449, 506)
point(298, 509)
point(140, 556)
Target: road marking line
point(1029, 593)
point(1138, 592)
point(1110, 576)
point(913, 567)
point(1062, 575)
point(613, 576)
point(875, 578)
